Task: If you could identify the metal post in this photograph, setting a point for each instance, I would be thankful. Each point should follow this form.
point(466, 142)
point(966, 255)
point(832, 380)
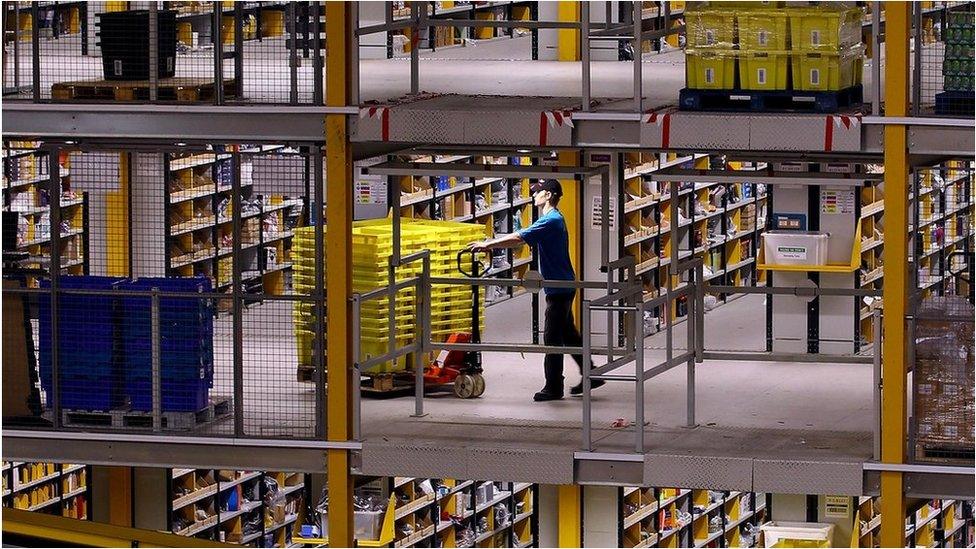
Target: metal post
point(876, 58)
point(237, 294)
point(218, 53)
point(239, 47)
point(700, 315)
point(353, 54)
point(153, 51)
point(356, 373)
point(639, 370)
point(16, 45)
point(917, 71)
point(585, 52)
point(414, 51)
point(587, 360)
point(157, 372)
point(318, 295)
point(35, 50)
point(876, 328)
point(638, 76)
point(692, 315)
point(418, 355)
point(292, 54)
point(54, 198)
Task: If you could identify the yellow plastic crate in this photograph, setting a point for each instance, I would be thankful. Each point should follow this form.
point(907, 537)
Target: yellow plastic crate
point(711, 28)
point(825, 29)
point(710, 69)
point(763, 30)
point(764, 70)
point(827, 71)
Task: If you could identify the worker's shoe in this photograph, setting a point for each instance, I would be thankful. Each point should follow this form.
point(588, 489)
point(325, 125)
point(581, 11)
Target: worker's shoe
point(543, 396)
point(577, 389)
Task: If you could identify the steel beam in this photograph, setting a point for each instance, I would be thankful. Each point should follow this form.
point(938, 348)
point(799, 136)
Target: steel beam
point(338, 154)
point(894, 365)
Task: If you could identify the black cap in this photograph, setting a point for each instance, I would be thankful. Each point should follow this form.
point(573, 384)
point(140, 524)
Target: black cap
point(550, 185)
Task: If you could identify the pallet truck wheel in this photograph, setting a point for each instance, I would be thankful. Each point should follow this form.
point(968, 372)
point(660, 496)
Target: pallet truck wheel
point(464, 386)
point(479, 385)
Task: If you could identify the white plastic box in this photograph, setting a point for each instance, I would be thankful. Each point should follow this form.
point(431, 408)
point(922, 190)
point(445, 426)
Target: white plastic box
point(366, 525)
point(817, 532)
point(795, 247)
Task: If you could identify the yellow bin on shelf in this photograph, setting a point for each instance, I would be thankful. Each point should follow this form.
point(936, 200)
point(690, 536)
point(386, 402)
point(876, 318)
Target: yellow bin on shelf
point(825, 71)
point(764, 30)
point(765, 70)
point(710, 28)
point(710, 69)
point(825, 29)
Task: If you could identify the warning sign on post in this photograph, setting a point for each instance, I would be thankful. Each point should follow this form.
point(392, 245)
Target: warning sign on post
point(836, 201)
point(596, 212)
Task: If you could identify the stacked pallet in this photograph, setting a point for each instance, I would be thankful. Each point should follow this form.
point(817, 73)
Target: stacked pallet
point(372, 241)
point(761, 47)
point(105, 344)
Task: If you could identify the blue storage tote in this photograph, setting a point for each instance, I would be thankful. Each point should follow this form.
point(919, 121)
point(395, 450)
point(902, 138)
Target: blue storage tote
point(186, 343)
point(89, 365)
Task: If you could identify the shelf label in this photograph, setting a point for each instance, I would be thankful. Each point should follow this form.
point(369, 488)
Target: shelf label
point(791, 252)
point(596, 213)
point(837, 506)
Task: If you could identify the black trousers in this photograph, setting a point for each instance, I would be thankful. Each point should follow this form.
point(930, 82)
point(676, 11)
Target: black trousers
point(560, 329)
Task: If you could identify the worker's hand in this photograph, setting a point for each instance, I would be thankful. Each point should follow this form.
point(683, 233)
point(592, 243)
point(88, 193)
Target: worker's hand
point(477, 247)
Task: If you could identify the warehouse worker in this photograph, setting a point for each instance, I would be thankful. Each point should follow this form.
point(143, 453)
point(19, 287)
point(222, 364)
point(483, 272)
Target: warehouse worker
point(551, 239)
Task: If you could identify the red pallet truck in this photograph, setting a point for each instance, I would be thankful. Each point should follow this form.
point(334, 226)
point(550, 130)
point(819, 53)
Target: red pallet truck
point(462, 369)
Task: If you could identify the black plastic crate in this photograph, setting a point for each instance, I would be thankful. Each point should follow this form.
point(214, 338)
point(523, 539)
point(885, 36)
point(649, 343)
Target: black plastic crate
point(124, 39)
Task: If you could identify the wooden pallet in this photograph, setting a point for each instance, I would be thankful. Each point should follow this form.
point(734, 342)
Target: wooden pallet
point(169, 89)
point(770, 101)
point(126, 418)
point(941, 452)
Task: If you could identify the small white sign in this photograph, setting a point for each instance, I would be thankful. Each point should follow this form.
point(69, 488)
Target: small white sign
point(837, 506)
point(792, 252)
point(596, 213)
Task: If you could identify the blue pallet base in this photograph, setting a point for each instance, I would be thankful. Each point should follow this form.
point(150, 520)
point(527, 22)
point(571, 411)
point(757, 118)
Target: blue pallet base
point(770, 101)
point(955, 103)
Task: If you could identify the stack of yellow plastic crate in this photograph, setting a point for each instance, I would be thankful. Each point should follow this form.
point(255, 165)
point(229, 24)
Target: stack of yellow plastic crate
point(827, 53)
point(821, 43)
point(451, 306)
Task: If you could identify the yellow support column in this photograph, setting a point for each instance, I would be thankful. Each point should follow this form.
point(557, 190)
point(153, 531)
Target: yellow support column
point(120, 504)
point(117, 230)
point(571, 209)
point(895, 293)
point(568, 44)
point(338, 162)
point(570, 512)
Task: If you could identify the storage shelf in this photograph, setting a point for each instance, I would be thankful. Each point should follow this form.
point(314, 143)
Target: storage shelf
point(808, 268)
point(640, 514)
point(17, 487)
point(73, 469)
point(44, 504)
point(286, 522)
point(194, 497)
point(76, 492)
point(246, 508)
point(519, 486)
point(244, 478)
point(196, 160)
point(872, 209)
point(502, 496)
point(198, 527)
point(411, 507)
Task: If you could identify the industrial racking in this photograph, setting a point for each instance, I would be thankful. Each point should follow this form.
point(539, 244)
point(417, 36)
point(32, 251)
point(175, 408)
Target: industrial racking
point(249, 508)
point(199, 223)
point(27, 184)
point(50, 488)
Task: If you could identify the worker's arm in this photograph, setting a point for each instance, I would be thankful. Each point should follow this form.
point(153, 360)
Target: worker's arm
point(513, 240)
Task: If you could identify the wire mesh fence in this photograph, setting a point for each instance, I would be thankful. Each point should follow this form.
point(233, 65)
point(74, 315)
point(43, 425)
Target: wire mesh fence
point(155, 292)
point(265, 52)
point(942, 237)
point(943, 59)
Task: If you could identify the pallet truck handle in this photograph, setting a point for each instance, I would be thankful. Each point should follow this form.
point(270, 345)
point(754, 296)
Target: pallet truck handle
point(476, 271)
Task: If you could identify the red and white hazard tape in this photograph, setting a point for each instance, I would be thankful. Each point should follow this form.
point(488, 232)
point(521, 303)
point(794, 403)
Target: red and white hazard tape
point(663, 121)
point(554, 119)
point(384, 115)
point(840, 121)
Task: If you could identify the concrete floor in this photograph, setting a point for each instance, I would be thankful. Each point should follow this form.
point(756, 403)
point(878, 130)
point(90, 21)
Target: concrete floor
point(752, 407)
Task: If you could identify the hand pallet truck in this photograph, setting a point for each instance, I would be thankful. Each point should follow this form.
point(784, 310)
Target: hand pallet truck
point(462, 369)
